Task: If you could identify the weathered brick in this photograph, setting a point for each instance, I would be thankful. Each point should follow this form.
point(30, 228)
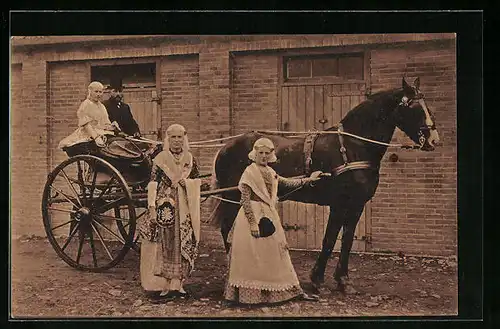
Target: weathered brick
point(29, 146)
point(427, 186)
point(215, 93)
point(180, 102)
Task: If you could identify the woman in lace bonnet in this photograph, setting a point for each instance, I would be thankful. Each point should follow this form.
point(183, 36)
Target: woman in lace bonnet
point(170, 232)
point(260, 268)
point(93, 120)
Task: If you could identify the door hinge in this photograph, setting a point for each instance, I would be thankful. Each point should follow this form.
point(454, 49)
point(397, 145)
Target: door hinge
point(294, 227)
point(155, 97)
point(367, 238)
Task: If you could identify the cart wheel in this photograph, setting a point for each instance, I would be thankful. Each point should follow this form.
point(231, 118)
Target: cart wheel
point(77, 206)
point(122, 227)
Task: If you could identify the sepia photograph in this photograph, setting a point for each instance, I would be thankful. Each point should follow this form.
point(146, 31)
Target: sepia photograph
point(233, 176)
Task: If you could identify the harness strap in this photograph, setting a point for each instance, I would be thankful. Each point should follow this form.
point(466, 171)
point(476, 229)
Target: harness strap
point(308, 148)
point(351, 166)
point(341, 142)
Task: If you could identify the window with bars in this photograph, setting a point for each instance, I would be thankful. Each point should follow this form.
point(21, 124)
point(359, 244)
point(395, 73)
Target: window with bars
point(343, 66)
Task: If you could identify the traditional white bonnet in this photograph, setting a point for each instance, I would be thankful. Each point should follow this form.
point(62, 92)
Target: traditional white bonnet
point(263, 142)
point(93, 86)
point(176, 128)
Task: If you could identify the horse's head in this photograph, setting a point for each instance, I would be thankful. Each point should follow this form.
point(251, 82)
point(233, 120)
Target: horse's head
point(415, 118)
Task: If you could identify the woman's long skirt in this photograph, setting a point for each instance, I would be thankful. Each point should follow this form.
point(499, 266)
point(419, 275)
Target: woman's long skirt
point(260, 269)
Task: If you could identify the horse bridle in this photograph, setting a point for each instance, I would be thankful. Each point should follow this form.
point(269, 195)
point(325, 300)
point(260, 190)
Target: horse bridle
point(406, 102)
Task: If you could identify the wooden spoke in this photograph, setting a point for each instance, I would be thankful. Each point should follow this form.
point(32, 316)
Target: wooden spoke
point(92, 246)
point(66, 223)
point(71, 236)
point(142, 214)
point(62, 210)
point(92, 187)
point(79, 168)
point(110, 205)
point(86, 188)
point(80, 173)
point(85, 169)
point(108, 185)
point(65, 196)
point(72, 188)
point(112, 218)
point(110, 232)
point(82, 184)
point(135, 247)
point(80, 246)
point(102, 241)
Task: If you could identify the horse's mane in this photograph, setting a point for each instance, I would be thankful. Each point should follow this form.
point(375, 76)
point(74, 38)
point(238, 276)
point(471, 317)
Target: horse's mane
point(382, 93)
point(369, 103)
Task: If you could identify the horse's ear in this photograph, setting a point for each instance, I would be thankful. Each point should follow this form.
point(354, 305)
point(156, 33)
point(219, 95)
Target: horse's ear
point(416, 83)
point(406, 87)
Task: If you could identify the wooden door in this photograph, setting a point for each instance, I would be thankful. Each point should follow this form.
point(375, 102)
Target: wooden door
point(144, 107)
point(307, 107)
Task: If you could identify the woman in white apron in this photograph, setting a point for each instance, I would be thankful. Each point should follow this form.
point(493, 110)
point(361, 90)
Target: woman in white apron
point(260, 268)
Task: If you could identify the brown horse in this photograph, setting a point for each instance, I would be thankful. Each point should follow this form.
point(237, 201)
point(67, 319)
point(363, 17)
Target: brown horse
point(353, 162)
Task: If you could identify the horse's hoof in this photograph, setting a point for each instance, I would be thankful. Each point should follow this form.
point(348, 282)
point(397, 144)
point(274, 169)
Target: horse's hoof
point(316, 279)
point(315, 287)
point(345, 286)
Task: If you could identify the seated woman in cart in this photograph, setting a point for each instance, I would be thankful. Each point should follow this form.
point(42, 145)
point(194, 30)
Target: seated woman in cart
point(93, 121)
point(96, 135)
point(171, 231)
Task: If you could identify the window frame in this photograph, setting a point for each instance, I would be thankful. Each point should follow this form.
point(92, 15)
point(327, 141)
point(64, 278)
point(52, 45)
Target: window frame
point(285, 80)
point(129, 61)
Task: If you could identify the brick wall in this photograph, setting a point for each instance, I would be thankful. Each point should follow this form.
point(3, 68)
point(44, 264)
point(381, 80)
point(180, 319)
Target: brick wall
point(254, 92)
point(252, 104)
point(29, 147)
point(180, 104)
point(214, 96)
point(68, 88)
point(214, 93)
point(414, 209)
point(16, 82)
point(179, 93)
point(81, 49)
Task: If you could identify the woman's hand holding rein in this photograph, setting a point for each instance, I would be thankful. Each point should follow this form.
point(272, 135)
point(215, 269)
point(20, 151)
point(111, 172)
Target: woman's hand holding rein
point(315, 176)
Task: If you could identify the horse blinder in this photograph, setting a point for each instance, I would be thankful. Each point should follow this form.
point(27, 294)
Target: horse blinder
point(407, 102)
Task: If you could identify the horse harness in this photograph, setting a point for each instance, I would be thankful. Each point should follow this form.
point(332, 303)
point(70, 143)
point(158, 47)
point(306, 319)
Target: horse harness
point(310, 139)
point(308, 148)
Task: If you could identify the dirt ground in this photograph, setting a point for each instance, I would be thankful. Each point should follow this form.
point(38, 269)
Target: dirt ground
point(44, 286)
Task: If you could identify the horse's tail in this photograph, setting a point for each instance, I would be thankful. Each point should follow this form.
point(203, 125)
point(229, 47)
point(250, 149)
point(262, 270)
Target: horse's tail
point(213, 218)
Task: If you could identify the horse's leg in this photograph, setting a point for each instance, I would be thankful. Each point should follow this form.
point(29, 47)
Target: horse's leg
point(228, 215)
point(348, 229)
point(224, 230)
point(332, 231)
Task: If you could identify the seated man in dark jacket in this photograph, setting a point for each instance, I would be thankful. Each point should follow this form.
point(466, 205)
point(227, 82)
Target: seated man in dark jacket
point(119, 111)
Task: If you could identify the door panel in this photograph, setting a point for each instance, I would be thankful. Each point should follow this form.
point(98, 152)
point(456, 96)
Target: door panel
point(144, 108)
point(318, 107)
point(301, 219)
